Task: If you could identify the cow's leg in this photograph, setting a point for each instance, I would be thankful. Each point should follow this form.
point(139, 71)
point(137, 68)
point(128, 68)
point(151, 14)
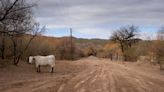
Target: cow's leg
point(39, 68)
point(52, 70)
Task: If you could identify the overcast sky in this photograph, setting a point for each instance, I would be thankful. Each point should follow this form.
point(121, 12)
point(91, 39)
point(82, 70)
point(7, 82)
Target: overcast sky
point(98, 18)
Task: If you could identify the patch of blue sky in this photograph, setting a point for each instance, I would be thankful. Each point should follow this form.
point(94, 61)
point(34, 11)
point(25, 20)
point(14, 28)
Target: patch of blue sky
point(145, 32)
point(57, 32)
point(60, 32)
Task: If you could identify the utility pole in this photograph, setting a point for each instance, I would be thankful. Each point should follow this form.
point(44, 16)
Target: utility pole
point(71, 43)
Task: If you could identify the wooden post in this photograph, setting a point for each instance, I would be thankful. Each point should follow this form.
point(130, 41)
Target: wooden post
point(71, 43)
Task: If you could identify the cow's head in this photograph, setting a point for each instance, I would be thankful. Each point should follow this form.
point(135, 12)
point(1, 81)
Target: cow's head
point(31, 59)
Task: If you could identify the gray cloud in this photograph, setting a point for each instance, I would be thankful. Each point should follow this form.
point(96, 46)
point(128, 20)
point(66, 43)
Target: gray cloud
point(94, 14)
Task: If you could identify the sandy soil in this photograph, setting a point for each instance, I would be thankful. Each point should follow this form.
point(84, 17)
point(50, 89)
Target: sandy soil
point(86, 75)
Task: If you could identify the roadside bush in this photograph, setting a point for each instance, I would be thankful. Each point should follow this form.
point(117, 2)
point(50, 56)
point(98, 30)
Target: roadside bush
point(132, 54)
point(66, 50)
point(112, 51)
point(159, 51)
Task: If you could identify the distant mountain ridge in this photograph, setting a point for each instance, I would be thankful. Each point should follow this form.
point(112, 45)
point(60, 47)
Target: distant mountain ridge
point(76, 40)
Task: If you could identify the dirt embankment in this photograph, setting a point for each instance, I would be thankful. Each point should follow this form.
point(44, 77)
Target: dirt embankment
point(86, 75)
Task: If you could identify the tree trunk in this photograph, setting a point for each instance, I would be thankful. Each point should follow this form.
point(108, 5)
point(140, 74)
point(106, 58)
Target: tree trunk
point(123, 51)
point(125, 57)
point(18, 56)
point(14, 52)
point(3, 48)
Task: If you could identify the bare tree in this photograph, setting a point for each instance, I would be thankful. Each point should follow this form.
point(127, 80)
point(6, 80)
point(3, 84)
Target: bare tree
point(16, 17)
point(10, 8)
point(17, 40)
point(126, 37)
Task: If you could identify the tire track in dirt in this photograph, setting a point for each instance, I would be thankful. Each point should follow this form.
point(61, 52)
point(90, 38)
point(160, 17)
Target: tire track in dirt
point(14, 84)
point(34, 85)
point(129, 80)
point(19, 87)
point(73, 84)
point(111, 77)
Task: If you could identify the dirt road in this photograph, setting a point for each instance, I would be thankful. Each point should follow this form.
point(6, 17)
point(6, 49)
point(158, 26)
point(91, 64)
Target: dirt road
point(99, 75)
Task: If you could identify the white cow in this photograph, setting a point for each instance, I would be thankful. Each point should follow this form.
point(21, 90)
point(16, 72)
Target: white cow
point(42, 61)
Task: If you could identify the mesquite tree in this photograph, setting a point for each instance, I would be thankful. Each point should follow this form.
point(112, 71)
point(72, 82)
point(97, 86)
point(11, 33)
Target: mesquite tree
point(126, 37)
